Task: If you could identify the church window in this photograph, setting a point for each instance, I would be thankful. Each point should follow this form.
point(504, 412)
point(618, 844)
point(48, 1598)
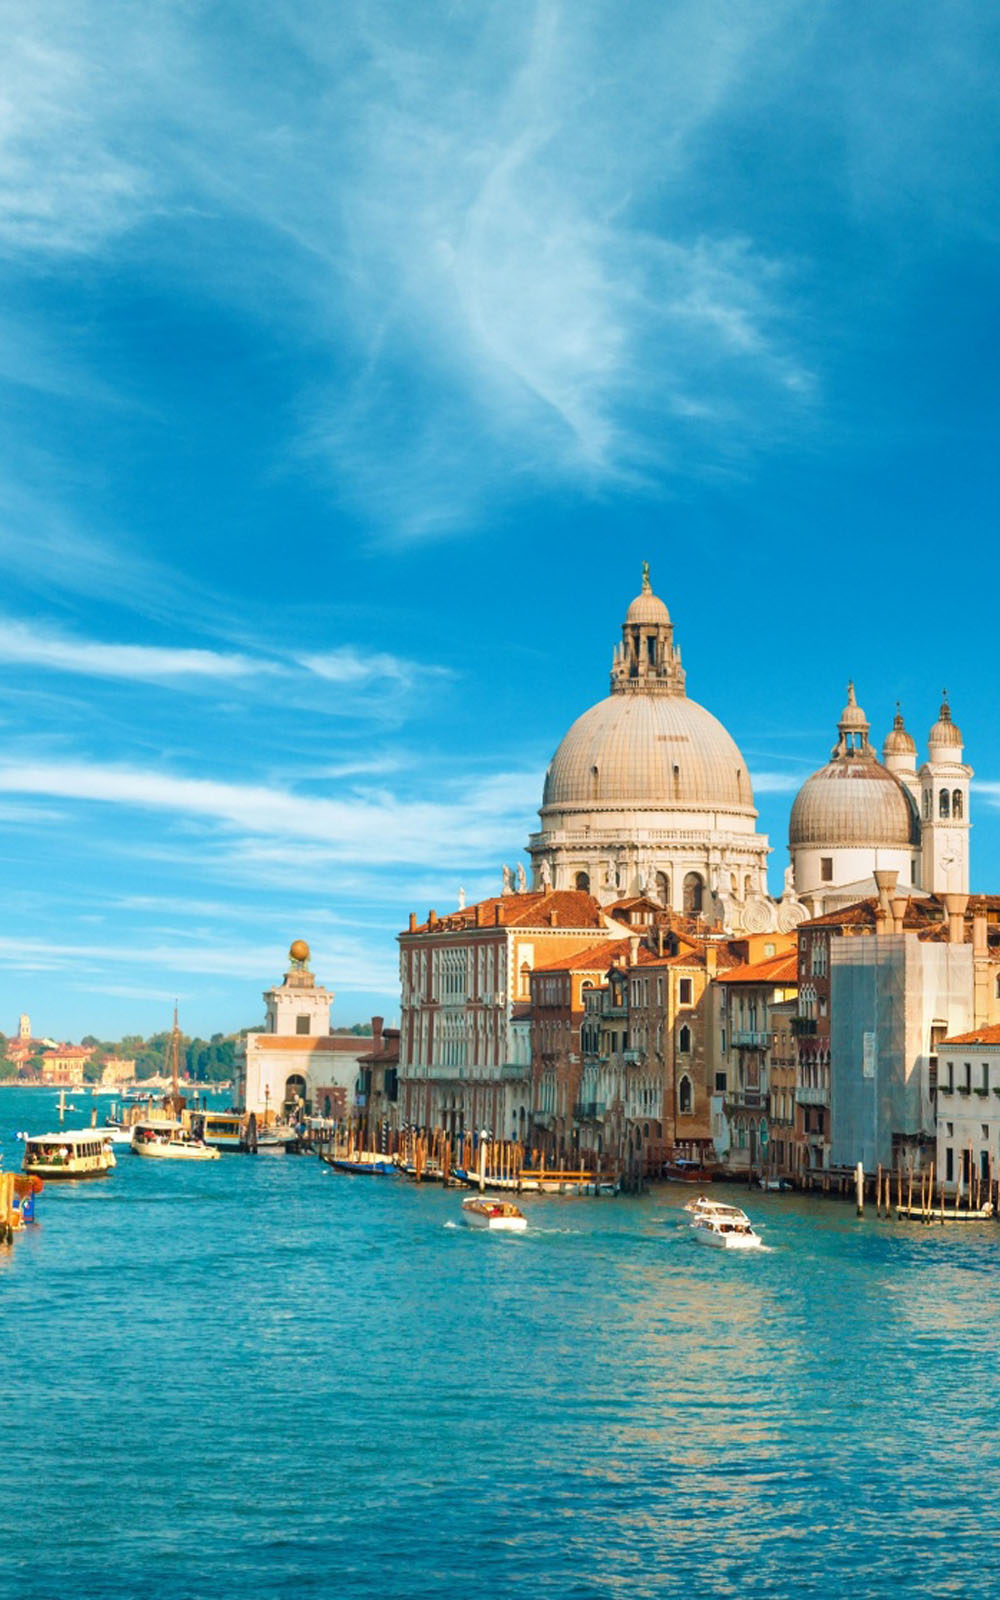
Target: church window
point(927, 805)
point(684, 1096)
point(692, 893)
point(943, 804)
point(684, 1041)
point(651, 650)
point(583, 882)
point(302, 1024)
point(663, 888)
point(594, 776)
point(747, 887)
point(956, 803)
point(684, 995)
point(826, 869)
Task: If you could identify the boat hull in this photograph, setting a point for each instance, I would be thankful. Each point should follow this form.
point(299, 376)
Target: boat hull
point(149, 1150)
point(493, 1219)
point(725, 1241)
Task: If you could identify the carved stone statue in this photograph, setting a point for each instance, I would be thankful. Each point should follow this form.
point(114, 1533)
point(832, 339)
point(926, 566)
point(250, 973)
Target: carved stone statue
point(545, 877)
point(522, 882)
point(506, 880)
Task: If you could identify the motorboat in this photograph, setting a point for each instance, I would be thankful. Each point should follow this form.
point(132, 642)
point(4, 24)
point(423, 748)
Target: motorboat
point(498, 1216)
point(86, 1153)
point(169, 1142)
point(704, 1207)
point(725, 1232)
point(683, 1170)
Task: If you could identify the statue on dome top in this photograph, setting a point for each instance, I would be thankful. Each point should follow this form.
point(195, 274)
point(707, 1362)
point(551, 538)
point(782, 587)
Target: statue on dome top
point(647, 587)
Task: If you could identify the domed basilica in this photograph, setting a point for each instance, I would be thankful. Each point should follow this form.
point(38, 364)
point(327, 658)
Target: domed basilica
point(648, 795)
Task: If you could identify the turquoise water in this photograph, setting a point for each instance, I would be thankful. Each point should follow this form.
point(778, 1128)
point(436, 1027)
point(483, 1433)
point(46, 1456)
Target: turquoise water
point(256, 1377)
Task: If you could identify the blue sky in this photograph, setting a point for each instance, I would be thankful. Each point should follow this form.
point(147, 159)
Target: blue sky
point(353, 358)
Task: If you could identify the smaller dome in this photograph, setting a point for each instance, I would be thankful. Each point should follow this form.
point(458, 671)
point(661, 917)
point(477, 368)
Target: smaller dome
point(853, 803)
point(897, 741)
point(944, 731)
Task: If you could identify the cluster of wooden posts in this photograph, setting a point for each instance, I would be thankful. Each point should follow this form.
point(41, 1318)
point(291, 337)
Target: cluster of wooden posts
point(920, 1199)
point(436, 1156)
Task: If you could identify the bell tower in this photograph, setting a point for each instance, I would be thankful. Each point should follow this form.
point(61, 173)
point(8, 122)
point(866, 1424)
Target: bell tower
point(944, 809)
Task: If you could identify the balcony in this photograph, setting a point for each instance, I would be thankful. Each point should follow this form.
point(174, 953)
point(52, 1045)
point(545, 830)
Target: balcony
point(633, 1058)
point(589, 1111)
point(802, 1026)
point(751, 1039)
point(809, 1095)
point(515, 1071)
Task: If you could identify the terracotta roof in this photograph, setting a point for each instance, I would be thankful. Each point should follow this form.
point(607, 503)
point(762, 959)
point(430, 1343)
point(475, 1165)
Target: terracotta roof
point(572, 908)
point(989, 1034)
point(782, 970)
point(594, 958)
point(923, 913)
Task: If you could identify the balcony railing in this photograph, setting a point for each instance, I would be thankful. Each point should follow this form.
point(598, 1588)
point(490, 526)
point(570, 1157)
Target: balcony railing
point(751, 1038)
point(633, 1058)
point(589, 1110)
point(803, 1025)
point(810, 1095)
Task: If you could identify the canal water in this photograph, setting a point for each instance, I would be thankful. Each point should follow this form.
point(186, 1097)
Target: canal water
point(257, 1377)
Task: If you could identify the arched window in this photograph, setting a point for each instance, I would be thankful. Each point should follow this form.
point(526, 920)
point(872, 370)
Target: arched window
point(927, 805)
point(525, 981)
point(684, 1096)
point(693, 889)
point(583, 881)
point(684, 1041)
point(663, 888)
point(943, 806)
point(956, 803)
point(295, 1087)
point(747, 887)
point(594, 777)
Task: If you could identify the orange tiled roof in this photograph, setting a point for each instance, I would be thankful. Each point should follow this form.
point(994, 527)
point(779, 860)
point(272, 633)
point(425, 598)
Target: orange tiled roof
point(782, 970)
point(572, 908)
point(594, 958)
point(989, 1034)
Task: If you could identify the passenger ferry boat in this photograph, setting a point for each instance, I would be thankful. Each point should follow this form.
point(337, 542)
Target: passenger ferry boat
point(223, 1130)
point(499, 1216)
point(85, 1153)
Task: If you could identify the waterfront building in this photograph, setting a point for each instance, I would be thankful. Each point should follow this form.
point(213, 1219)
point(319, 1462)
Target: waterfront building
point(785, 1152)
point(880, 983)
point(64, 1064)
point(465, 1038)
point(377, 1095)
point(567, 1111)
point(968, 1107)
point(749, 994)
point(649, 795)
point(296, 1064)
point(858, 815)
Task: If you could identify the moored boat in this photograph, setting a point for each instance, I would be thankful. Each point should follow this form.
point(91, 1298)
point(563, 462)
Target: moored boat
point(84, 1153)
point(498, 1216)
point(683, 1170)
point(363, 1165)
point(704, 1207)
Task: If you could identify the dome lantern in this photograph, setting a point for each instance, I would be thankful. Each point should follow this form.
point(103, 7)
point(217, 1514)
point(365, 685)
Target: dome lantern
point(647, 660)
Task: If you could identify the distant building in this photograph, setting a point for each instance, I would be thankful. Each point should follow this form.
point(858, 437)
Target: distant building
point(297, 1065)
point(65, 1063)
point(968, 1108)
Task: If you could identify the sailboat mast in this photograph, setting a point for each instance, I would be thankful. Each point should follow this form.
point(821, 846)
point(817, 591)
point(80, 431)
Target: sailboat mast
point(174, 1071)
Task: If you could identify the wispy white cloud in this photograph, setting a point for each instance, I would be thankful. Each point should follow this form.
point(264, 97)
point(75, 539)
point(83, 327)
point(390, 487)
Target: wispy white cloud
point(24, 645)
point(777, 782)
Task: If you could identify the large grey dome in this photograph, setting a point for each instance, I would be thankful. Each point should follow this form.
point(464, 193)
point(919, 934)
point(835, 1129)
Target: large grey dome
point(649, 750)
point(853, 802)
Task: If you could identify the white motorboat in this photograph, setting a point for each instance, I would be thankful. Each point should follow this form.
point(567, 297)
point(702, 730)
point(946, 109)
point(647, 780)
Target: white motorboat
point(725, 1233)
point(498, 1216)
point(165, 1142)
point(704, 1207)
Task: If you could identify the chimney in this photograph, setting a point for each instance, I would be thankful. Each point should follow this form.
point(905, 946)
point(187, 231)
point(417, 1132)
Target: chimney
point(711, 960)
point(479, 914)
point(413, 922)
point(954, 905)
point(886, 881)
point(980, 944)
point(659, 941)
point(432, 917)
point(899, 905)
point(553, 919)
point(377, 1032)
point(633, 948)
point(497, 914)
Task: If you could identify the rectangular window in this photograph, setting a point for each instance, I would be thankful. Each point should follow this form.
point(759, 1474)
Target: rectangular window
point(302, 1024)
point(685, 992)
point(949, 1164)
point(986, 1078)
point(826, 869)
point(720, 1083)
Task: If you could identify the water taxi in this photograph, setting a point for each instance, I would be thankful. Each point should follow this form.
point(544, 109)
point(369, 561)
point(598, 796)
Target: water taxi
point(723, 1227)
point(167, 1142)
point(499, 1216)
point(223, 1130)
point(704, 1207)
point(86, 1153)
